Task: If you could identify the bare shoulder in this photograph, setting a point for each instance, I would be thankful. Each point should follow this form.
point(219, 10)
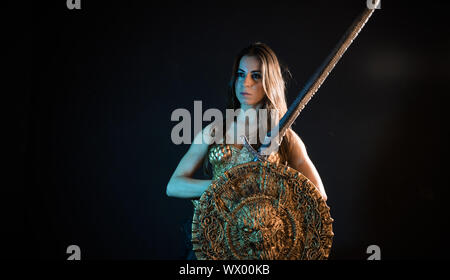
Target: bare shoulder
point(297, 150)
point(295, 142)
point(202, 140)
point(195, 155)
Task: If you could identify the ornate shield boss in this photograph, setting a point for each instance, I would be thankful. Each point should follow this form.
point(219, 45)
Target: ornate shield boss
point(262, 211)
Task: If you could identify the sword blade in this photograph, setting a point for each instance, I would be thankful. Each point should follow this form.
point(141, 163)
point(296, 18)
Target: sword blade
point(317, 79)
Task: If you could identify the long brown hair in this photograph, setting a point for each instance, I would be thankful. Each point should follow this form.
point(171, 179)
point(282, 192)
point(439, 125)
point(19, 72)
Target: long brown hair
point(274, 87)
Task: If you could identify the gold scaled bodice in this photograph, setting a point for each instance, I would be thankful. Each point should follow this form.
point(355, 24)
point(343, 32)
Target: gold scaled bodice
point(225, 156)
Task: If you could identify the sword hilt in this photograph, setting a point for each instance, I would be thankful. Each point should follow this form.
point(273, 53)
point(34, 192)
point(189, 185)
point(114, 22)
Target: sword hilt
point(256, 156)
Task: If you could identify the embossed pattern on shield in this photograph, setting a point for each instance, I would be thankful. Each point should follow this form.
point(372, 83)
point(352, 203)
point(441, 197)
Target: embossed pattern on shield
point(262, 210)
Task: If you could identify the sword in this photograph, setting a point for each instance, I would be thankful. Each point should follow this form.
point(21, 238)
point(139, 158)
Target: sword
point(274, 137)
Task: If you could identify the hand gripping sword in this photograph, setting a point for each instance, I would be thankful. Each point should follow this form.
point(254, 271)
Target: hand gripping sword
point(274, 137)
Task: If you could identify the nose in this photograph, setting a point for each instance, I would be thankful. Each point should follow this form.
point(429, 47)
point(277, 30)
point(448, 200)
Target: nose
point(248, 82)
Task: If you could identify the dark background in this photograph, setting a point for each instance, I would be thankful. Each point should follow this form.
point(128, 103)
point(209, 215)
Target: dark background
point(91, 133)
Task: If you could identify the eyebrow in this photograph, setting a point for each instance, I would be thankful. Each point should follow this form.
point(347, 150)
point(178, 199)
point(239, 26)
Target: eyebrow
point(252, 71)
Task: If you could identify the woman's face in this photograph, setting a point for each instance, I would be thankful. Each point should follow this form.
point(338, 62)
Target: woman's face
point(248, 86)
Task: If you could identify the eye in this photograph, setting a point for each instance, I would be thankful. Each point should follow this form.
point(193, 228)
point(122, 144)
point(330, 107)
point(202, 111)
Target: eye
point(240, 74)
point(256, 76)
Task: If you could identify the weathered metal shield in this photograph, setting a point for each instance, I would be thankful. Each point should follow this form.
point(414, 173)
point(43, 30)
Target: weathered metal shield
point(262, 211)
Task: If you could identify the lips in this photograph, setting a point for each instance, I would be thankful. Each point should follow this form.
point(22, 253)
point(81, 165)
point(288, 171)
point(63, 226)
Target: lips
point(245, 93)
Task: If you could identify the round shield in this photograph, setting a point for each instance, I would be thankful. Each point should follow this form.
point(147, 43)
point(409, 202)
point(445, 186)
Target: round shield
point(262, 211)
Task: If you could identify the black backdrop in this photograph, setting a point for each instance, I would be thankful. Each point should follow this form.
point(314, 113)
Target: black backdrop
point(94, 153)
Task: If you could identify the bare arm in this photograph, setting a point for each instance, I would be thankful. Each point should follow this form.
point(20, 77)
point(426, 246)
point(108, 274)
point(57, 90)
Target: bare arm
point(299, 160)
point(181, 184)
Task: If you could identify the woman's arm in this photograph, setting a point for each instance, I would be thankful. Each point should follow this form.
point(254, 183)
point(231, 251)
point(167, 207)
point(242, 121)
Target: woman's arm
point(299, 160)
point(181, 184)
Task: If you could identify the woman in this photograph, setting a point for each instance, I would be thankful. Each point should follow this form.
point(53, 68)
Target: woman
point(256, 83)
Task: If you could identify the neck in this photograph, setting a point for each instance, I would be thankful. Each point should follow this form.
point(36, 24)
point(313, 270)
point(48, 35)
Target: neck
point(252, 117)
point(245, 107)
